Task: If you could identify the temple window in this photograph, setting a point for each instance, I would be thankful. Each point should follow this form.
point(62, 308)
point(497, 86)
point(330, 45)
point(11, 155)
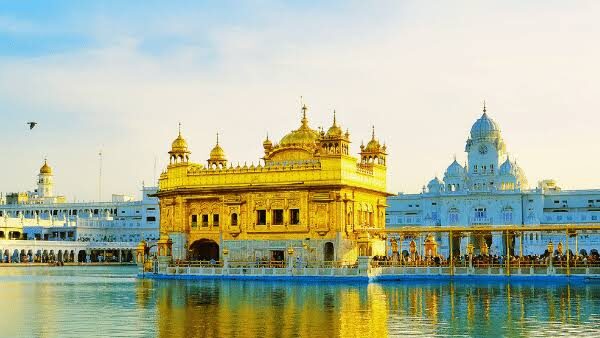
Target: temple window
point(480, 213)
point(216, 220)
point(294, 216)
point(277, 217)
point(205, 220)
point(234, 219)
point(507, 215)
point(475, 168)
point(261, 217)
point(453, 216)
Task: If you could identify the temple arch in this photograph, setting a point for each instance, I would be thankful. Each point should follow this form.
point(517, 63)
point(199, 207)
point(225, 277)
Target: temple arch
point(204, 250)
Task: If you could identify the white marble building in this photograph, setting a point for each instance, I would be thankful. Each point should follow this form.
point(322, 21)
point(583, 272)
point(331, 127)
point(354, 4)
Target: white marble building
point(492, 189)
point(41, 215)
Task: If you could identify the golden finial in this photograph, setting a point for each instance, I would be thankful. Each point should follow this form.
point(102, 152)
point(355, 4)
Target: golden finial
point(304, 108)
point(484, 107)
point(217, 138)
point(334, 120)
point(179, 128)
point(373, 133)
point(267, 136)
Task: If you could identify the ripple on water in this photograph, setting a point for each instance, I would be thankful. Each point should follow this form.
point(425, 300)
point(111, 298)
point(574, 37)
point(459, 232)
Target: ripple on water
point(111, 302)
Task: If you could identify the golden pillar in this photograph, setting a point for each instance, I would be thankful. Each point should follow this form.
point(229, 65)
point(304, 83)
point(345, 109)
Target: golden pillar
point(507, 263)
point(451, 255)
point(567, 248)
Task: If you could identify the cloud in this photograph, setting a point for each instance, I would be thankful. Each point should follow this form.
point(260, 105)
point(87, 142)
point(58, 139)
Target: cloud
point(418, 72)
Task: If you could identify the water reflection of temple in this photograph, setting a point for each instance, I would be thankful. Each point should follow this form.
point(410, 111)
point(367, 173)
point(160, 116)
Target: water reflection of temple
point(269, 309)
point(376, 310)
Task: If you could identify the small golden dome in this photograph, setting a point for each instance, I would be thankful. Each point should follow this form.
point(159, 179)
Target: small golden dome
point(267, 143)
point(46, 169)
point(373, 145)
point(334, 130)
point(217, 153)
point(179, 144)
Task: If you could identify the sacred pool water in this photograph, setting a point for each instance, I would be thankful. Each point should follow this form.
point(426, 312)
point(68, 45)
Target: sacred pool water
point(112, 302)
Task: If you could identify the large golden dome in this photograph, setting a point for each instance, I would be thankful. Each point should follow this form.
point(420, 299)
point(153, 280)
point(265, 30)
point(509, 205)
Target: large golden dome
point(46, 169)
point(303, 136)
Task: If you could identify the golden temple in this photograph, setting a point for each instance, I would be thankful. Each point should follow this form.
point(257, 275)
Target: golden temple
point(308, 195)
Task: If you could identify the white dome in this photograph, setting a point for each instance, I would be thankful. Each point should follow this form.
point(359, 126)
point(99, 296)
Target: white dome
point(435, 185)
point(512, 171)
point(508, 168)
point(484, 127)
point(455, 170)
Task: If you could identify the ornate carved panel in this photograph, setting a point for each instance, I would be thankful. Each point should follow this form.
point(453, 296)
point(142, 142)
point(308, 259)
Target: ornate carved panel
point(277, 204)
point(321, 215)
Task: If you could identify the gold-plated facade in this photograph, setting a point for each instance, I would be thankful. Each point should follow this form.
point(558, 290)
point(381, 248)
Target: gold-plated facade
point(307, 194)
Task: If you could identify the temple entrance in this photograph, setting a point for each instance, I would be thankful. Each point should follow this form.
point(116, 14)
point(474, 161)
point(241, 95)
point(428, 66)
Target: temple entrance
point(204, 250)
point(328, 252)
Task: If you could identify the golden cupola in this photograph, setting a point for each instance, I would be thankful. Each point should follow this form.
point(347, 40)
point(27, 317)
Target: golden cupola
point(179, 150)
point(334, 130)
point(45, 169)
point(267, 145)
point(217, 156)
point(335, 141)
point(374, 152)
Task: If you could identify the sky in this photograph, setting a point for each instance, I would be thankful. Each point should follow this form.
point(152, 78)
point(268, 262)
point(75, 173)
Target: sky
point(118, 77)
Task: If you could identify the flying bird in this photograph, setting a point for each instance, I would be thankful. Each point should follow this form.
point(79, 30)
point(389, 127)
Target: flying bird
point(31, 125)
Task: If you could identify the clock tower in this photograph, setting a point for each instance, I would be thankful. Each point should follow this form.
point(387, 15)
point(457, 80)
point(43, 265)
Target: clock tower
point(485, 148)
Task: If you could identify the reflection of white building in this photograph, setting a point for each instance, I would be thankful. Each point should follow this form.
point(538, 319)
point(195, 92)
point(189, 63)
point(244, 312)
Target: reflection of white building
point(43, 216)
point(492, 189)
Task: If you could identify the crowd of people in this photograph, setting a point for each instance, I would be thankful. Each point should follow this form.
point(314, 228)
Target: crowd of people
point(557, 259)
